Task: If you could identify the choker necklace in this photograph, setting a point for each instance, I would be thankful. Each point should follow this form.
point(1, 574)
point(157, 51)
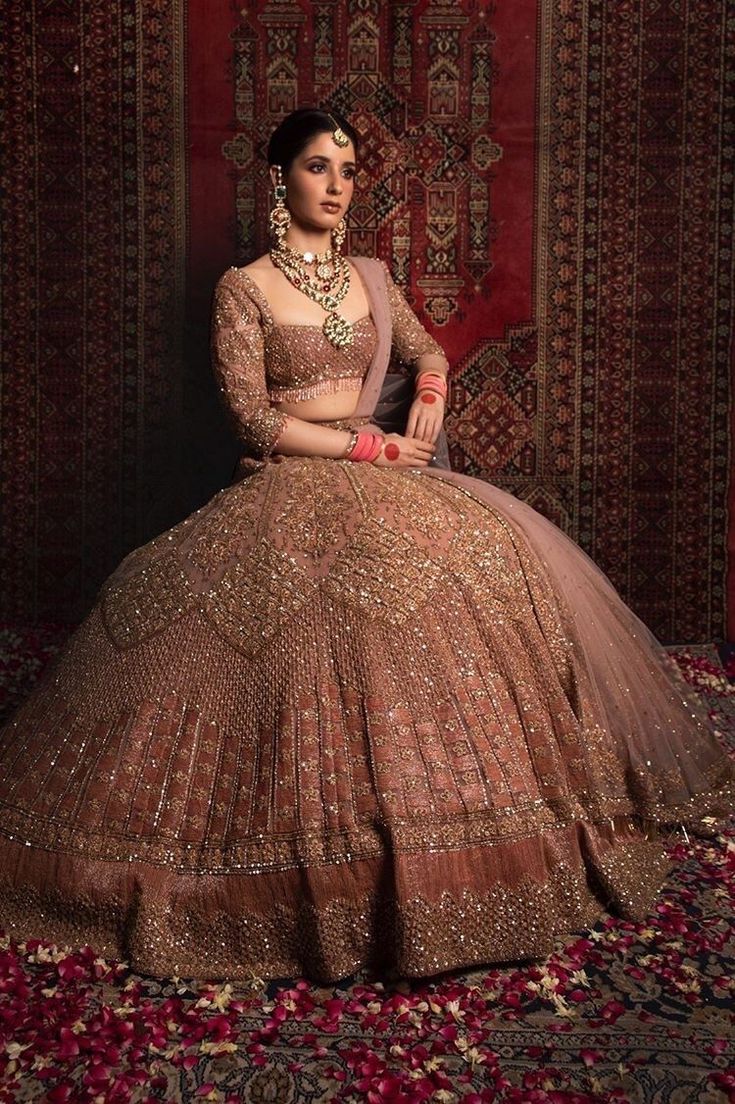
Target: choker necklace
point(327, 285)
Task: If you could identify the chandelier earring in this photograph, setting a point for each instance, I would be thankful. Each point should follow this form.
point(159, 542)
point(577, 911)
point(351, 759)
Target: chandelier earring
point(279, 218)
point(338, 235)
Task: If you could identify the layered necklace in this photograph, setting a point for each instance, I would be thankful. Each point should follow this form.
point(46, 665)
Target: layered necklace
point(327, 284)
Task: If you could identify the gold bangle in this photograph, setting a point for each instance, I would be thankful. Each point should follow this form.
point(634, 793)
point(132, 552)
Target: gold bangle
point(351, 444)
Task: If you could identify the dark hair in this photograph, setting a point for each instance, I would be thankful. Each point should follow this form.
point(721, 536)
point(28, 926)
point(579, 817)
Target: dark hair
point(293, 134)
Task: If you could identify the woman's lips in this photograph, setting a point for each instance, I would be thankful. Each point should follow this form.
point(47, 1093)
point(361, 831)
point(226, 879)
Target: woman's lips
point(332, 206)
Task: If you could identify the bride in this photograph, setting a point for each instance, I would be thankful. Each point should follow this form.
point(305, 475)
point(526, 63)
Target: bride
point(358, 710)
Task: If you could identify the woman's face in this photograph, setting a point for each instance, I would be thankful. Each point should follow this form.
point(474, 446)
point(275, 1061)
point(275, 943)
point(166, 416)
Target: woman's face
point(323, 173)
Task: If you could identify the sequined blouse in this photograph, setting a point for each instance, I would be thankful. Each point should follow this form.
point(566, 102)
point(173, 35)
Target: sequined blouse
point(258, 362)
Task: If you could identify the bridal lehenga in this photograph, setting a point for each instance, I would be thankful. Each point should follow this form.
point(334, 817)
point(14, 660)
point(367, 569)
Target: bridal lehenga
point(346, 716)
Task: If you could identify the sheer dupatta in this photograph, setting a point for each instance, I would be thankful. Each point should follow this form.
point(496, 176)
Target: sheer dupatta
point(652, 721)
point(386, 397)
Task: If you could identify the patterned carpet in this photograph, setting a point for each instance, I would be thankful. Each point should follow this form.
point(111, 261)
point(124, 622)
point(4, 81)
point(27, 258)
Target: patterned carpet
point(623, 1012)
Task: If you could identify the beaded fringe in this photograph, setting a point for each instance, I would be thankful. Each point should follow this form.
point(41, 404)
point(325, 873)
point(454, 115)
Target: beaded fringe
point(320, 387)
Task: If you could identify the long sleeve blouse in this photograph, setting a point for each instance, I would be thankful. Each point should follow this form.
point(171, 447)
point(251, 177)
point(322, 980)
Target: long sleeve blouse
point(254, 358)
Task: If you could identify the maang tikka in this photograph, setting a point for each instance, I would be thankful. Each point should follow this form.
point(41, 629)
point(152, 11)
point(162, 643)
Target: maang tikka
point(338, 135)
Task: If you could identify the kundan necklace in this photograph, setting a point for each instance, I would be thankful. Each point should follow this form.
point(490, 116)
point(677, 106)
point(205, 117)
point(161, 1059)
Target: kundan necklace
point(327, 285)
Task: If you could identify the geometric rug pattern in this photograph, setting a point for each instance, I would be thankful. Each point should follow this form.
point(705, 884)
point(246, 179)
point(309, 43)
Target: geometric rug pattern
point(549, 185)
point(93, 225)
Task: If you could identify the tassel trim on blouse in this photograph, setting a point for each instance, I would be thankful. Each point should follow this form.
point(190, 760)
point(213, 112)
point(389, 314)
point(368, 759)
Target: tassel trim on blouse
point(313, 390)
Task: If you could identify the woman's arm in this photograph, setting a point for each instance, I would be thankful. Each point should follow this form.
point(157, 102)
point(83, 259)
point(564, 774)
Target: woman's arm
point(301, 438)
point(430, 362)
point(415, 346)
point(238, 362)
point(426, 415)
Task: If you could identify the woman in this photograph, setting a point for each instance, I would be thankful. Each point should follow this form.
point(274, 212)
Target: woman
point(357, 710)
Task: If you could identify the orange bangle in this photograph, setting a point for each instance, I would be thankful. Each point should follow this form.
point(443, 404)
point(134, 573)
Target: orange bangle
point(367, 448)
point(432, 381)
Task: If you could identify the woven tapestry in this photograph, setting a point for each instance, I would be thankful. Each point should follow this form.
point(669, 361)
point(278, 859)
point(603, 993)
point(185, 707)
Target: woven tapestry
point(549, 182)
point(91, 301)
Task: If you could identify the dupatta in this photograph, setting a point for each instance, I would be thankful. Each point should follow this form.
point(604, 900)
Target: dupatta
point(386, 397)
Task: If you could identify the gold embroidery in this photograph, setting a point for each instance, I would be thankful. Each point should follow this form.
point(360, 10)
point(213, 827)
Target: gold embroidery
point(239, 367)
point(146, 602)
point(337, 685)
point(418, 934)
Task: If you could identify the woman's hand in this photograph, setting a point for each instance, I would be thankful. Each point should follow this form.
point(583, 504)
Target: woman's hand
point(404, 452)
point(425, 419)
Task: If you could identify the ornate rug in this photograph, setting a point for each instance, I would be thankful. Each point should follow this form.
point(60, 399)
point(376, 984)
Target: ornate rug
point(619, 1013)
point(91, 294)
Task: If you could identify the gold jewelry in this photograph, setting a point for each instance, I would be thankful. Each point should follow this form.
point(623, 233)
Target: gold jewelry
point(279, 218)
point(327, 286)
point(324, 261)
point(338, 135)
point(338, 235)
point(354, 435)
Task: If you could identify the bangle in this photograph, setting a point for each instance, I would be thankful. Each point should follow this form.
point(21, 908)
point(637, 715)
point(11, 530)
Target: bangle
point(367, 448)
point(351, 444)
point(432, 381)
point(376, 449)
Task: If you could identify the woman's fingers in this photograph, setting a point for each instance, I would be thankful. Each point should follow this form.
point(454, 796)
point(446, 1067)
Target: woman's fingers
point(417, 422)
point(420, 432)
point(405, 452)
point(423, 448)
point(411, 424)
point(424, 424)
point(427, 430)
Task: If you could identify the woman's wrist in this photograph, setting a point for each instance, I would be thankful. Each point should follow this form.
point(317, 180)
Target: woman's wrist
point(352, 439)
point(366, 448)
point(431, 386)
point(430, 362)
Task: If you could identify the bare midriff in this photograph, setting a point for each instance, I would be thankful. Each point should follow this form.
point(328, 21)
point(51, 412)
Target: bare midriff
point(324, 408)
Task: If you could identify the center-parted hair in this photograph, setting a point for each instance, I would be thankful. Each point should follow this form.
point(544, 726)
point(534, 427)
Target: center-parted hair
point(293, 134)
